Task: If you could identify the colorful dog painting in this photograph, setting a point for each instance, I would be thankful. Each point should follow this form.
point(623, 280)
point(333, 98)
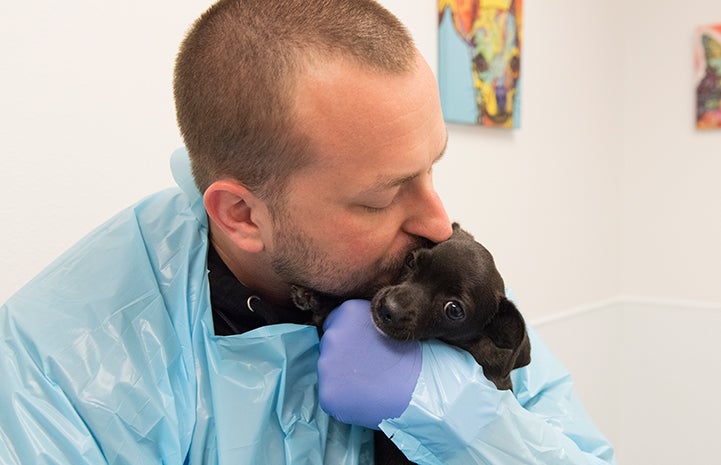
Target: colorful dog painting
point(708, 76)
point(480, 61)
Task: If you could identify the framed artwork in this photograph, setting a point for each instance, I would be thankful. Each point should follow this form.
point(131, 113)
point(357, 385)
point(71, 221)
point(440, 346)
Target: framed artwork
point(707, 61)
point(479, 75)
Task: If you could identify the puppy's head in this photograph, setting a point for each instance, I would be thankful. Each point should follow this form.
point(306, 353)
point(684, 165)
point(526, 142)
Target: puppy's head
point(451, 292)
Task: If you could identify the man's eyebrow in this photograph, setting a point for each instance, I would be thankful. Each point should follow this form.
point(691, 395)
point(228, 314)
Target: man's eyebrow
point(389, 183)
point(383, 184)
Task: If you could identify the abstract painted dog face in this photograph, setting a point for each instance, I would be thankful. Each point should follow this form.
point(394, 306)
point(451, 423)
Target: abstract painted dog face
point(490, 35)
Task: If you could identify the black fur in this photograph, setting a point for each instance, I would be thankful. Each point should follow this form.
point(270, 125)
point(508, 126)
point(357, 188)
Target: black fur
point(452, 292)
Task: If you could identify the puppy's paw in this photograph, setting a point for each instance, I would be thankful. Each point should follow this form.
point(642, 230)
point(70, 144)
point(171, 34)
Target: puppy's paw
point(317, 304)
point(304, 299)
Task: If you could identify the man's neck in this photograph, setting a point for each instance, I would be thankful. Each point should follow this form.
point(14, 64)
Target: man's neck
point(253, 270)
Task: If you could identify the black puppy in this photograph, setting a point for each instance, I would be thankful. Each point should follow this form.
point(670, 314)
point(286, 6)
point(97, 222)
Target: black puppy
point(452, 292)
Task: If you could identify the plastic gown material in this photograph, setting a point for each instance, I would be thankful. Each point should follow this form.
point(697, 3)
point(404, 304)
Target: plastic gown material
point(109, 356)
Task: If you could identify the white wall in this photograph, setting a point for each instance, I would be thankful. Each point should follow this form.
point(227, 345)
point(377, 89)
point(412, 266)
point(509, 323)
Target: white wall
point(671, 210)
point(647, 372)
point(86, 119)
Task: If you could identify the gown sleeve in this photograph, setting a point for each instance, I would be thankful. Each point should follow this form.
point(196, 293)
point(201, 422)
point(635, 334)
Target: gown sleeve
point(457, 416)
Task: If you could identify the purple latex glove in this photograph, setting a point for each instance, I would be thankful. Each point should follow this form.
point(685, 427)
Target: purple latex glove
point(364, 376)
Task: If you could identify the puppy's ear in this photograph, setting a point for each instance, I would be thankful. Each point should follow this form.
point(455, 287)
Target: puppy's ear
point(508, 330)
point(460, 233)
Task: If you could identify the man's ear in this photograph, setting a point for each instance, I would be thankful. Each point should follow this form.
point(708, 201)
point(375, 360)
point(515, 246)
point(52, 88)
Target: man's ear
point(234, 209)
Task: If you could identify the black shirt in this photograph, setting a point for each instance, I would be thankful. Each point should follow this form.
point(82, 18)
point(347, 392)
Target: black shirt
point(235, 308)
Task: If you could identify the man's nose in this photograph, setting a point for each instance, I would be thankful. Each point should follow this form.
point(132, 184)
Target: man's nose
point(427, 217)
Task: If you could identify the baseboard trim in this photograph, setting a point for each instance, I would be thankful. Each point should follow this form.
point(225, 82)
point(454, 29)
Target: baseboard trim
point(674, 303)
point(574, 312)
point(616, 302)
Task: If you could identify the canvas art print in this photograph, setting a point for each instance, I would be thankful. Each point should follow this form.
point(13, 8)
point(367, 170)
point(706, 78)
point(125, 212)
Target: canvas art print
point(480, 61)
point(708, 76)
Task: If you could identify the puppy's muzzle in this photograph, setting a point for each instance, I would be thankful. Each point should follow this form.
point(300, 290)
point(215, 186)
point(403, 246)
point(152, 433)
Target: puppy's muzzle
point(394, 311)
point(388, 312)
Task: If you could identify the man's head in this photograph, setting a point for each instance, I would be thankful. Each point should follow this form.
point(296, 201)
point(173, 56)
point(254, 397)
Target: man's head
point(312, 128)
point(237, 72)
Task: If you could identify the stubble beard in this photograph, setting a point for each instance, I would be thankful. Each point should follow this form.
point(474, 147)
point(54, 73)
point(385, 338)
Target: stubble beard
point(297, 260)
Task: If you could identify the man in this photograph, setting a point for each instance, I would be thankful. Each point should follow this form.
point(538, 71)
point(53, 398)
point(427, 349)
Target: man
point(168, 336)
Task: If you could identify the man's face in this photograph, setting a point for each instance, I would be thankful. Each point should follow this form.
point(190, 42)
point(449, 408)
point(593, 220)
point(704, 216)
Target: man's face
point(351, 217)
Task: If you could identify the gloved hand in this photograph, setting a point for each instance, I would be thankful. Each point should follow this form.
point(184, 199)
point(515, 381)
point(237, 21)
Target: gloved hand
point(364, 376)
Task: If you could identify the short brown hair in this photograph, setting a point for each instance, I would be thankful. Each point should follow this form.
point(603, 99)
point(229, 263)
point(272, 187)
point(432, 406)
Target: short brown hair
point(235, 74)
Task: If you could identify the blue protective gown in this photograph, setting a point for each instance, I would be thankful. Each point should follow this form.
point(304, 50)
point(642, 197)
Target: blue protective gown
point(109, 356)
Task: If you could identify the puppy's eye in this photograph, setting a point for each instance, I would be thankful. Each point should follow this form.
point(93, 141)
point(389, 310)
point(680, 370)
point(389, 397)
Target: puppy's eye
point(454, 310)
point(411, 260)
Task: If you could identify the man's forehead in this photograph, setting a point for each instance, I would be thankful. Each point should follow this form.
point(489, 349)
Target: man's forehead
point(389, 181)
point(381, 129)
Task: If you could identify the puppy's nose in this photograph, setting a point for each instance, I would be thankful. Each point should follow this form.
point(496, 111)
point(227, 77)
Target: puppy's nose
point(387, 312)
